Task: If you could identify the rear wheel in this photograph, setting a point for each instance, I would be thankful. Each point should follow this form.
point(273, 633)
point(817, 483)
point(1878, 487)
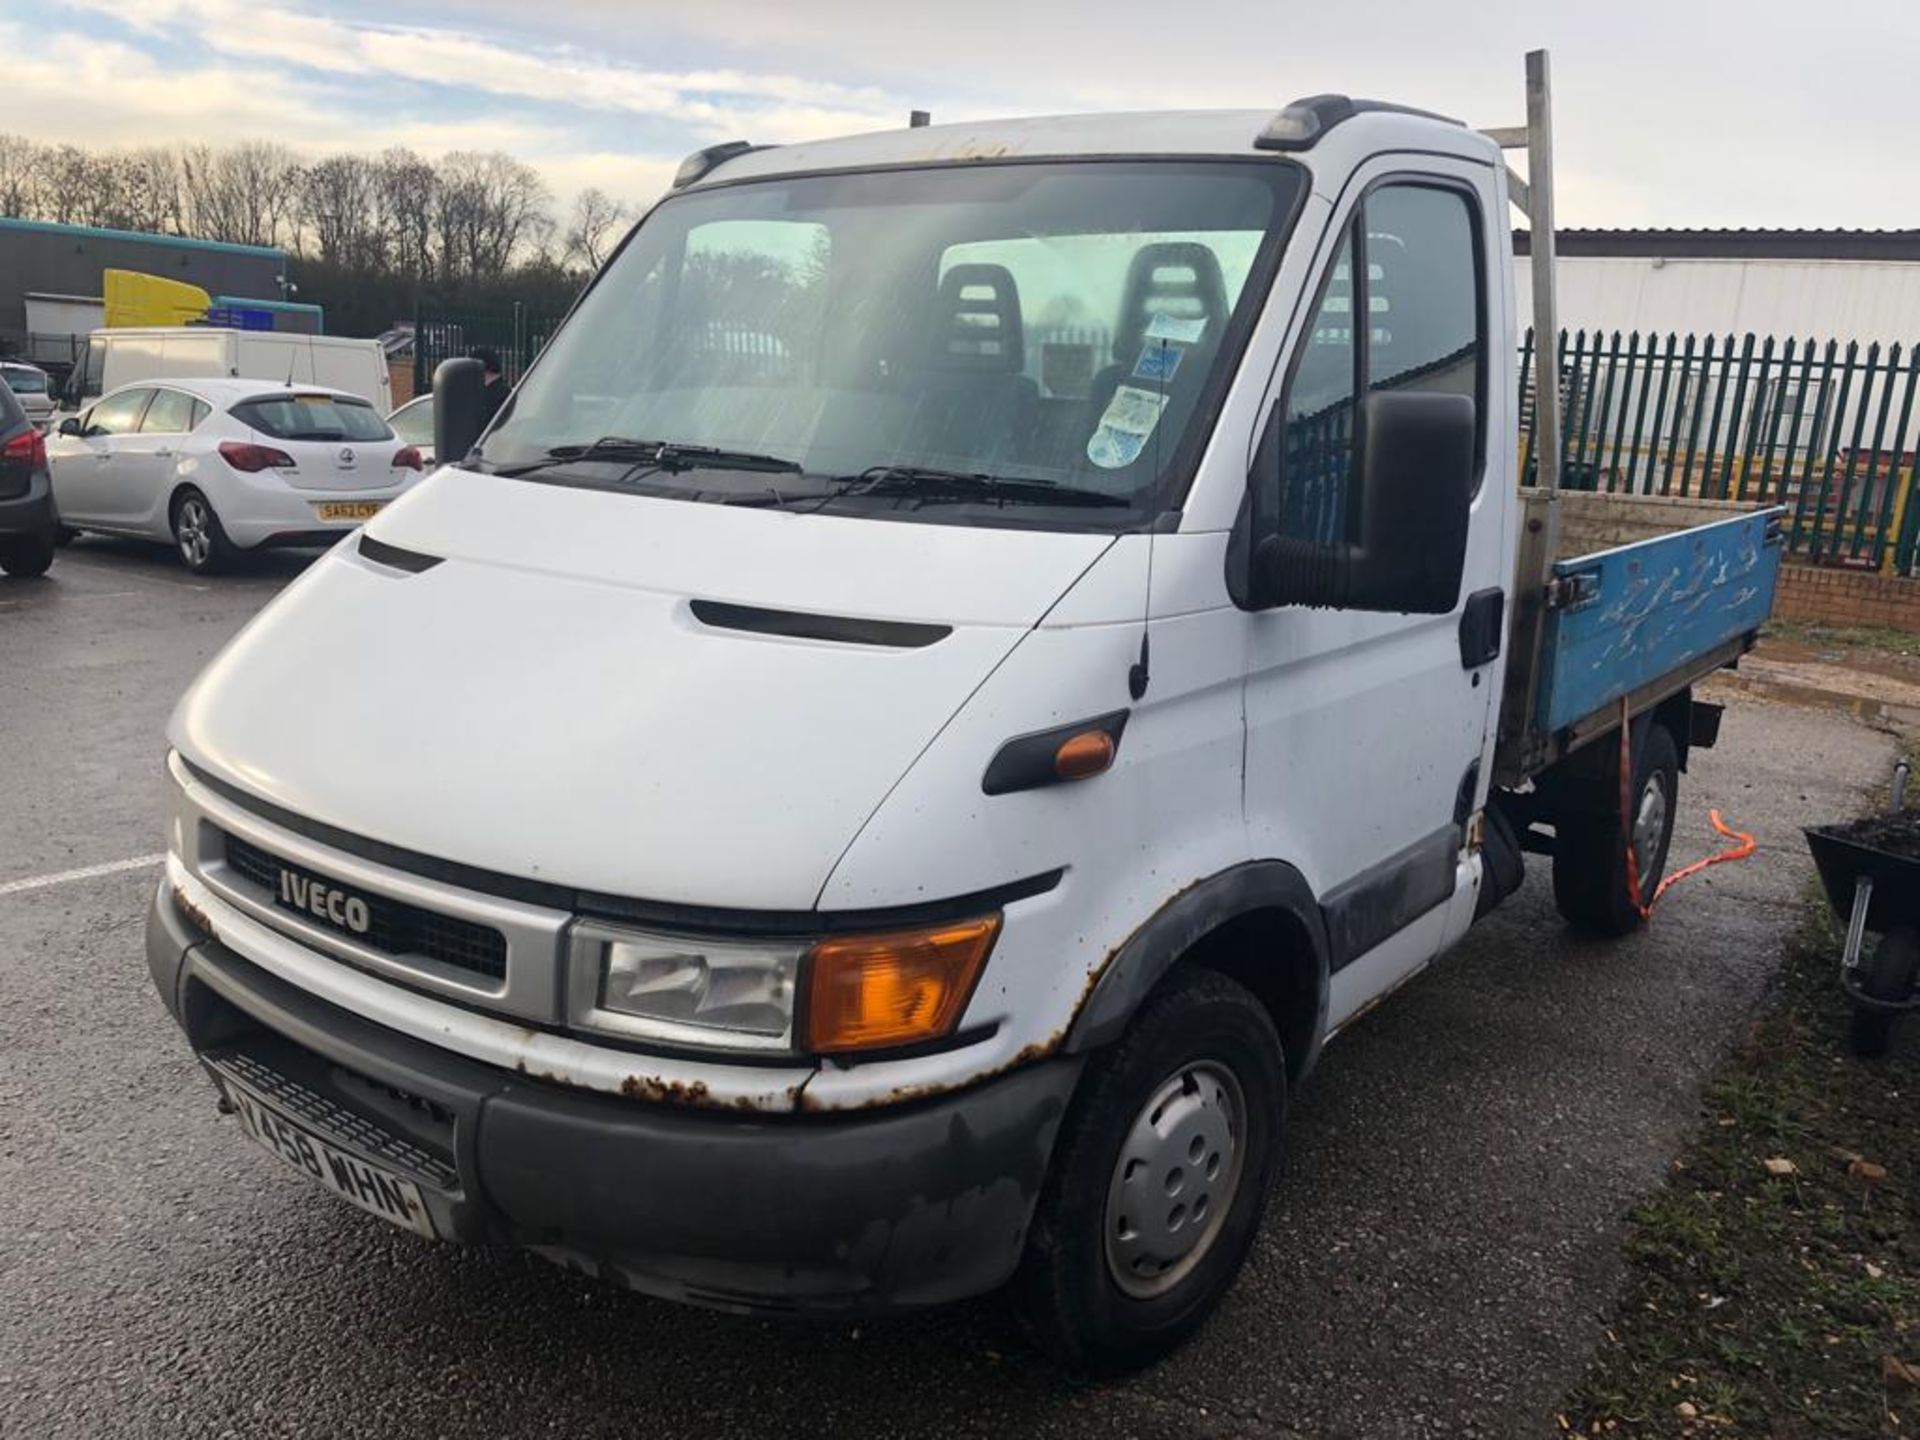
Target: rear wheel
point(1590, 845)
point(1159, 1179)
point(1887, 975)
point(26, 556)
point(202, 545)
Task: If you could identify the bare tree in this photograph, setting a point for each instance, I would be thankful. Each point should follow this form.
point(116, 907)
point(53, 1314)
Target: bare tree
point(67, 185)
point(248, 194)
point(596, 224)
point(20, 177)
point(342, 213)
point(490, 208)
point(406, 189)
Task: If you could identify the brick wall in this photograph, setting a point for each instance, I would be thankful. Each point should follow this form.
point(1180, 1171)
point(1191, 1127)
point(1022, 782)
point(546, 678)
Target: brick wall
point(1814, 595)
point(1594, 520)
point(400, 379)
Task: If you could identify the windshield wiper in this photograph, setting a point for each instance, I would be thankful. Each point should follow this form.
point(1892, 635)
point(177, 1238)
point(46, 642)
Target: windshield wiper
point(934, 486)
point(655, 455)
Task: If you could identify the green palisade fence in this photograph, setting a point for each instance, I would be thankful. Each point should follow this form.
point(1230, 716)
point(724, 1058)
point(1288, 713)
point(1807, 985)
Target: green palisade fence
point(515, 333)
point(1825, 429)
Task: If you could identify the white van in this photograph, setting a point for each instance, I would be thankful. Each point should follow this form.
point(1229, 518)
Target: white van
point(123, 357)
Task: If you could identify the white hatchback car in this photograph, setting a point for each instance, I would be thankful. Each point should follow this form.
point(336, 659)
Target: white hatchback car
point(219, 466)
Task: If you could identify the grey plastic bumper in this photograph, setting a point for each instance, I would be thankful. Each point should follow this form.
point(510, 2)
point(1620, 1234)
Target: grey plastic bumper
point(885, 1209)
point(30, 513)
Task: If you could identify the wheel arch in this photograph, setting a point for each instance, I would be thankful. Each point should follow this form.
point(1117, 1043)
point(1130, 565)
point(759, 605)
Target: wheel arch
point(178, 492)
point(1257, 923)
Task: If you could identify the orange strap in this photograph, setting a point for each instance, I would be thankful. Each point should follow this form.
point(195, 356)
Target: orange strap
point(1739, 851)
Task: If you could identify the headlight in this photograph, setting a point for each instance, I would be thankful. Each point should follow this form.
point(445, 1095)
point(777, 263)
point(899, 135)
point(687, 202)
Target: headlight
point(863, 991)
point(686, 990)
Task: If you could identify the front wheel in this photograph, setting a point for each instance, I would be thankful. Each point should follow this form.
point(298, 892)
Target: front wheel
point(201, 543)
point(1590, 845)
point(1159, 1179)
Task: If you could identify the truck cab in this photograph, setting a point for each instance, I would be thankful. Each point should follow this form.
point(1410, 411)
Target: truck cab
point(973, 654)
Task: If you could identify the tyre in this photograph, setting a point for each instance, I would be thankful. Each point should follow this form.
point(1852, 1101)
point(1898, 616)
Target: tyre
point(1887, 975)
point(202, 545)
point(26, 556)
point(1159, 1178)
point(1590, 850)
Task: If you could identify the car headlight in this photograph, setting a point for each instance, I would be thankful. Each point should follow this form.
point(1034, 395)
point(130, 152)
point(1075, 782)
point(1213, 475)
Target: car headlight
point(684, 989)
point(862, 992)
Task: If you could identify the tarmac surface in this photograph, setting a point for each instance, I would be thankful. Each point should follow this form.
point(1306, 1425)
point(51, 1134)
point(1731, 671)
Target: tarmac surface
point(1437, 1259)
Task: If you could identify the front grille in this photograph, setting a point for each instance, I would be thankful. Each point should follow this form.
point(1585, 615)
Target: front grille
point(393, 927)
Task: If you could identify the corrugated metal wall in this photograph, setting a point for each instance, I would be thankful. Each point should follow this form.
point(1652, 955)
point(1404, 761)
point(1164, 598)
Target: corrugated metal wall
point(1842, 300)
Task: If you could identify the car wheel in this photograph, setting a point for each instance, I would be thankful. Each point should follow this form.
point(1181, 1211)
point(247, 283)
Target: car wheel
point(1590, 848)
point(1889, 975)
point(202, 545)
point(26, 557)
point(1159, 1178)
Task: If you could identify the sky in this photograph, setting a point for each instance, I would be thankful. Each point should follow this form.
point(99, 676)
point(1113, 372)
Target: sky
point(1668, 112)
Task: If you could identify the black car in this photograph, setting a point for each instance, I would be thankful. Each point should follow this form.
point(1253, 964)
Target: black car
point(26, 493)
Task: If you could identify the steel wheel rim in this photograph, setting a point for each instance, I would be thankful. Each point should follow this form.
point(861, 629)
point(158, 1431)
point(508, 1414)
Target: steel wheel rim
point(191, 530)
point(1174, 1179)
point(1649, 824)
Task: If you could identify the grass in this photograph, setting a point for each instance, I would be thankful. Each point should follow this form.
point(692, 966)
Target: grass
point(1819, 637)
point(1780, 1305)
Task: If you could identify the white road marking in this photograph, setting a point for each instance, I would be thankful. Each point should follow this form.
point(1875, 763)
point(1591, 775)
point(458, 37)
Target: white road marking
point(138, 577)
point(85, 872)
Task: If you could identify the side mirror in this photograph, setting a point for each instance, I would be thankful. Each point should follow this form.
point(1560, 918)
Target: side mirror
point(459, 408)
point(1416, 490)
point(71, 426)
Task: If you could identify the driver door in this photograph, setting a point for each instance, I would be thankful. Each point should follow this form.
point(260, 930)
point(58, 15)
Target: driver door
point(86, 467)
point(1368, 733)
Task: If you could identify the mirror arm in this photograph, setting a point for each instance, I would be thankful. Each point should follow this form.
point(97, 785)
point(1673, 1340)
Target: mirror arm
point(1289, 571)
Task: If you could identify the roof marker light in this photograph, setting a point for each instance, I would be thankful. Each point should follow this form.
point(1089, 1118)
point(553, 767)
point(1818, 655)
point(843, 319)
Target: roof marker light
point(1303, 122)
point(701, 163)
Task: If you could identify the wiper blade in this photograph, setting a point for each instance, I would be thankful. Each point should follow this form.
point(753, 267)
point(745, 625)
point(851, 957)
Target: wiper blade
point(664, 455)
point(935, 486)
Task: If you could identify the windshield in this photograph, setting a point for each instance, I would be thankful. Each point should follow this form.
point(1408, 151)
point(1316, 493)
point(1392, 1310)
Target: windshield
point(971, 344)
point(413, 422)
point(24, 382)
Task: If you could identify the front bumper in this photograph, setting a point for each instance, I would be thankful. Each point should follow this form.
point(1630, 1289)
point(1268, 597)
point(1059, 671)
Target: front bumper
point(898, 1207)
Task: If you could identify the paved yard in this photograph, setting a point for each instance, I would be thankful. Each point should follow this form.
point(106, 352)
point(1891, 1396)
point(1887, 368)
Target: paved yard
point(1443, 1242)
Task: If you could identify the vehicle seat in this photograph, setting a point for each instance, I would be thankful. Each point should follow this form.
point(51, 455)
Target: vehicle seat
point(977, 404)
point(1179, 279)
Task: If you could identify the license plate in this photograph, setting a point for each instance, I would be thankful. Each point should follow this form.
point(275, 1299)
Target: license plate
point(348, 509)
point(378, 1191)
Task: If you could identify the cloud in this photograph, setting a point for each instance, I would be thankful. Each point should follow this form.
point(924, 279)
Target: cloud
point(135, 99)
point(709, 103)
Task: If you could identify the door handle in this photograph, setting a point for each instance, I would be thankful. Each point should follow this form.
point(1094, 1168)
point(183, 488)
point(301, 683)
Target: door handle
point(163, 454)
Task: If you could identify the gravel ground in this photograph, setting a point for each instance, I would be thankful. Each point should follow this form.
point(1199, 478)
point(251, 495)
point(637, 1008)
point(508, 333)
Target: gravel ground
point(1436, 1262)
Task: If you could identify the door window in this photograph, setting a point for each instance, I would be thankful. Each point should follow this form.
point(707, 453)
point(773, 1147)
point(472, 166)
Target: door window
point(119, 413)
point(171, 413)
point(1401, 308)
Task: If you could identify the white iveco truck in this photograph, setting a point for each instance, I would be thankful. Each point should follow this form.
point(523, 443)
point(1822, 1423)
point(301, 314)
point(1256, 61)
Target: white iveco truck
point(973, 653)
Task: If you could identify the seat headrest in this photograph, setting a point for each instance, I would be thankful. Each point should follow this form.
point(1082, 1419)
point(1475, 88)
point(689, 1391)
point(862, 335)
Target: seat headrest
point(977, 321)
point(1177, 278)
